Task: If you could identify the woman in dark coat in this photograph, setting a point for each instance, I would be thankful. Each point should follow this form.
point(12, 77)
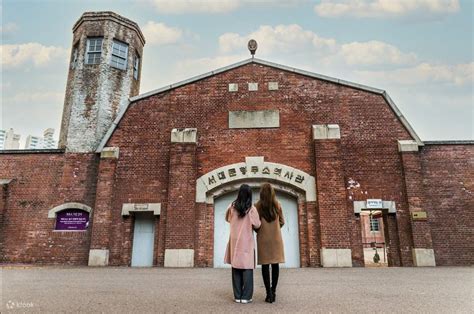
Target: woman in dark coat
point(269, 240)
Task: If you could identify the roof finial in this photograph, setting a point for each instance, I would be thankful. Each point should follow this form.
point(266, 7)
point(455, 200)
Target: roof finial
point(252, 45)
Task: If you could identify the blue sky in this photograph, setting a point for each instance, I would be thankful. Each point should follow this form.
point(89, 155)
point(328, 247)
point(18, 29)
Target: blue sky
point(420, 51)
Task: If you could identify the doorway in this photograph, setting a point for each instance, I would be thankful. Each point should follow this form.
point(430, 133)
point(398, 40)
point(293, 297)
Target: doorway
point(373, 238)
point(289, 232)
point(143, 240)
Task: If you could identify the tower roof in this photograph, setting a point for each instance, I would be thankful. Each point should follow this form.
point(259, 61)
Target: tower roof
point(111, 16)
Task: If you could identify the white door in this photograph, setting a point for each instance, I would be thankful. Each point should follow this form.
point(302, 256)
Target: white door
point(289, 230)
point(143, 240)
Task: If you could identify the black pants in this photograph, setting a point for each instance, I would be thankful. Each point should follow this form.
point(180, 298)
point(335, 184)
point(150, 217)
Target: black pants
point(266, 276)
point(242, 282)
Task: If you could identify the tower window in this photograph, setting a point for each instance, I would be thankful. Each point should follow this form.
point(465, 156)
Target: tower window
point(94, 50)
point(136, 66)
point(119, 55)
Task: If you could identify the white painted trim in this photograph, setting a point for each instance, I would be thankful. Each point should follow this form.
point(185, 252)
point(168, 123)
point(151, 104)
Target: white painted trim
point(204, 185)
point(384, 94)
point(361, 205)
point(53, 211)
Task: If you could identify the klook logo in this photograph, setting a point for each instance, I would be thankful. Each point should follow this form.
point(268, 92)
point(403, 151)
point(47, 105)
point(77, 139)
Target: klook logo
point(10, 305)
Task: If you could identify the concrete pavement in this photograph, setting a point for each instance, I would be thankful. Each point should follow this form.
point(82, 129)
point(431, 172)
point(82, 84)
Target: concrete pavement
point(146, 290)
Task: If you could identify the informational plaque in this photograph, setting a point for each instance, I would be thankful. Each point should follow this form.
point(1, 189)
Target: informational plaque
point(374, 203)
point(72, 219)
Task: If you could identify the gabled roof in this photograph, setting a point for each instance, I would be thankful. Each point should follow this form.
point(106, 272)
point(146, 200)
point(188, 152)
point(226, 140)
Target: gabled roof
point(374, 90)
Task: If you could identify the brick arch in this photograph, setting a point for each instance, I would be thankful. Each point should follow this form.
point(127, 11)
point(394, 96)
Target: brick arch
point(53, 211)
point(255, 170)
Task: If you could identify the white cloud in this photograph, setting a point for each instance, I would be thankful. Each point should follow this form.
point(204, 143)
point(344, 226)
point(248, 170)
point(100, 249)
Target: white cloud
point(35, 53)
point(297, 43)
point(192, 6)
point(282, 38)
point(459, 74)
point(212, 6)
point(8, 28)
point(161, 34)
point(385, 8)
point(374, 52)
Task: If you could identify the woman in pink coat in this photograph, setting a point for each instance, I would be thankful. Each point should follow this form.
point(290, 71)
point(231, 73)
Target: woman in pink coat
point(240, 252)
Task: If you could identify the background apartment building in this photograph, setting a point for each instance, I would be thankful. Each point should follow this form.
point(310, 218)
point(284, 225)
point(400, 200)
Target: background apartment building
point(9, 140)
point(45, 142)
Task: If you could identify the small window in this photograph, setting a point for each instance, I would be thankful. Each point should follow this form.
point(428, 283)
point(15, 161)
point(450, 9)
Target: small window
point(94, 50)
point(374, 224)
point(72, 220)
point(136, 66)
point(119, 55)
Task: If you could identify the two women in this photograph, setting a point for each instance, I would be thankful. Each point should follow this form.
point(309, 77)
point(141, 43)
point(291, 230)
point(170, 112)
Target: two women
point(266, 218)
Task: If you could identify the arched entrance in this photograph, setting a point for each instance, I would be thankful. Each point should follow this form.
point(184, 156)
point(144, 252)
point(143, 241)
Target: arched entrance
point(290, 232)
point(296, 191)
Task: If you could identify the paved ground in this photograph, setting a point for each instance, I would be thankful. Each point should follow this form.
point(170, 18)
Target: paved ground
point(358, 290)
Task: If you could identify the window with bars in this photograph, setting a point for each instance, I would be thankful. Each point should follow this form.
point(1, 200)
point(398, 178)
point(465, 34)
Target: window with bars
point(374, 224)
point(119, 55)
point(136, 66)
point(94, 50)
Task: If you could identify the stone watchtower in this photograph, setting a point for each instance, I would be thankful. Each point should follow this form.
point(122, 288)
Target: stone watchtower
point(104, 71)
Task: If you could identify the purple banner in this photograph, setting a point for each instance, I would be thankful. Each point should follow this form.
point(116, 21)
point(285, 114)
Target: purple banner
point(72, 219)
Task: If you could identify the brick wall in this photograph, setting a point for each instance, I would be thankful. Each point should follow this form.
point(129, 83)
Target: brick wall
point(369, 150)
point(40, 182)
point(448, 172)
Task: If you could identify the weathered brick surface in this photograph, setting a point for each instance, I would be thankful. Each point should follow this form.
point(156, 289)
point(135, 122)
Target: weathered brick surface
point(333, 216)
point(95, 93)
point(412, 170)
point(42, 181)
point(180, 212)
point(448, 175)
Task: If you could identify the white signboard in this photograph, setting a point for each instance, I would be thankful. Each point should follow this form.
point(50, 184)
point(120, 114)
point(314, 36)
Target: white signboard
point(374, 203)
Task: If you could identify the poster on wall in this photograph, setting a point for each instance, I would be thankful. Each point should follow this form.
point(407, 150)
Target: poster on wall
point(72, 219)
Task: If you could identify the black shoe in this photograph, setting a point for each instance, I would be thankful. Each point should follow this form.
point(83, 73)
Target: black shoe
point(273, 296)
point(269, 298)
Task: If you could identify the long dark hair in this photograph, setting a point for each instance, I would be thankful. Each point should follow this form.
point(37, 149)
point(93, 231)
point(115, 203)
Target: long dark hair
point(244, 200)
point(267, 206)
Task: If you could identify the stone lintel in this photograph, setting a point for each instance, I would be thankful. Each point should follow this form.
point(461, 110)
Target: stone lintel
point(326, 131)
point(179, 258)
point(361, 205)
point(186, 135)
point(98, 257)
point(127, 208)
point(336, 257)
point(110, 152)
point(423, 257)
point(407, 146)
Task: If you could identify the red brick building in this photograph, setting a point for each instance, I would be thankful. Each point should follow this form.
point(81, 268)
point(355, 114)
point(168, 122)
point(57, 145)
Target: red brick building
point(143, 181)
